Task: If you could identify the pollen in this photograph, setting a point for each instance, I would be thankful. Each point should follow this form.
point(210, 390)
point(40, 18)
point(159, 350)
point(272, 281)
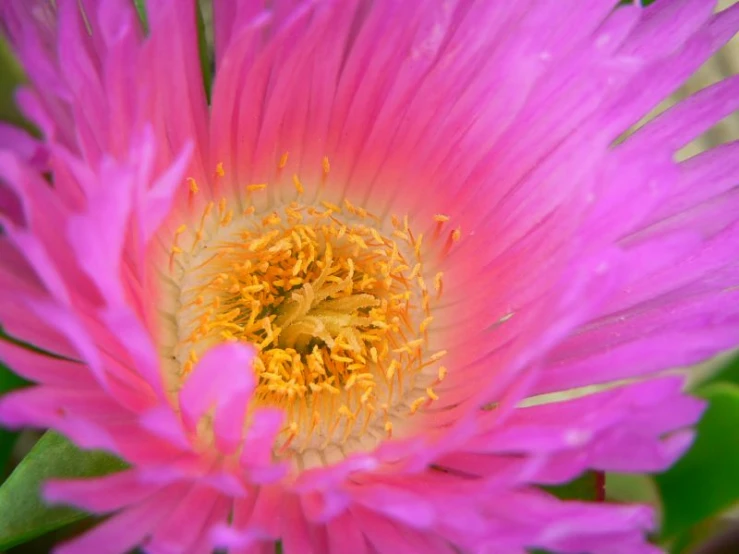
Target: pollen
point(333, 299)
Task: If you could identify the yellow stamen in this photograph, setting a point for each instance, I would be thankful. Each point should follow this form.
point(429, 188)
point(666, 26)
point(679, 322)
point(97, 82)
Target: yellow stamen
point(336, 306)
point(298, 185)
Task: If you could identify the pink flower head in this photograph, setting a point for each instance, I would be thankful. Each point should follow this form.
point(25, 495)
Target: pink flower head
point(323, 307)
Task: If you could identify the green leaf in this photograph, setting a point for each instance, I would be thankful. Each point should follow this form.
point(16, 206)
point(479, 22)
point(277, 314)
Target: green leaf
point(23, 515)
point(11, 75)
point(704, 482)
point(585, 487)
point(204, 51)
point(632, 488)
point(728, 372)
point(141, 9)
point(8, 382)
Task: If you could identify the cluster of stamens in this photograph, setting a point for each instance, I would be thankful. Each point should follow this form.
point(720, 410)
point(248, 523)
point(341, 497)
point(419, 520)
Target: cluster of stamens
point(338, 311)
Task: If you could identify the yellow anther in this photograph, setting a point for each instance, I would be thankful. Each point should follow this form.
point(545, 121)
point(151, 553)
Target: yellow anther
point(417, 245)
point(193, 185)
point(416, 404)
point(414, 343)
point(402, 235)
point(431, 394)
point(439, 283)
point(390, 373)
point(442, 373)
point(457, 234)
point(256, 186)
point(373, 353)
point(283, 160)
point(326, 165)
point(219, 169)
point(441, 218)
point(298, 185)
point(437, 356)
point(181, 229)
point(425, 324)
point(330, 206)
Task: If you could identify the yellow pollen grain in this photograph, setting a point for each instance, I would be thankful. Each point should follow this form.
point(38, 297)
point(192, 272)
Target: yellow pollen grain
point(298, 185)
point(437, 356)
point(439, 283)
point(423, 327)
point(416, 404)
point(330, 206)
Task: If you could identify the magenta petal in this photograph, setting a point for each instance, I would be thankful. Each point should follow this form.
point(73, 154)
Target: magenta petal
point(400, 505)
point(182, 527)
point(344, 535)
point(44, 369)
point(260, 437)
point(222, 379)
point(100, 494)
point(386, 536)
point(295, 535)
point(126, 529)
point(163, 422)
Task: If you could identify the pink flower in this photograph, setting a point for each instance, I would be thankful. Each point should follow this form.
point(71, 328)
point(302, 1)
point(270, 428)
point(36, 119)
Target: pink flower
point(322, 308)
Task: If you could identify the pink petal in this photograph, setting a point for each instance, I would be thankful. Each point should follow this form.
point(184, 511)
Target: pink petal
point(222, 379)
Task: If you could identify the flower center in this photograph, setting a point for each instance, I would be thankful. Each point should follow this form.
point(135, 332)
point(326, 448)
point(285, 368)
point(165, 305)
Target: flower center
point(338, 304)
